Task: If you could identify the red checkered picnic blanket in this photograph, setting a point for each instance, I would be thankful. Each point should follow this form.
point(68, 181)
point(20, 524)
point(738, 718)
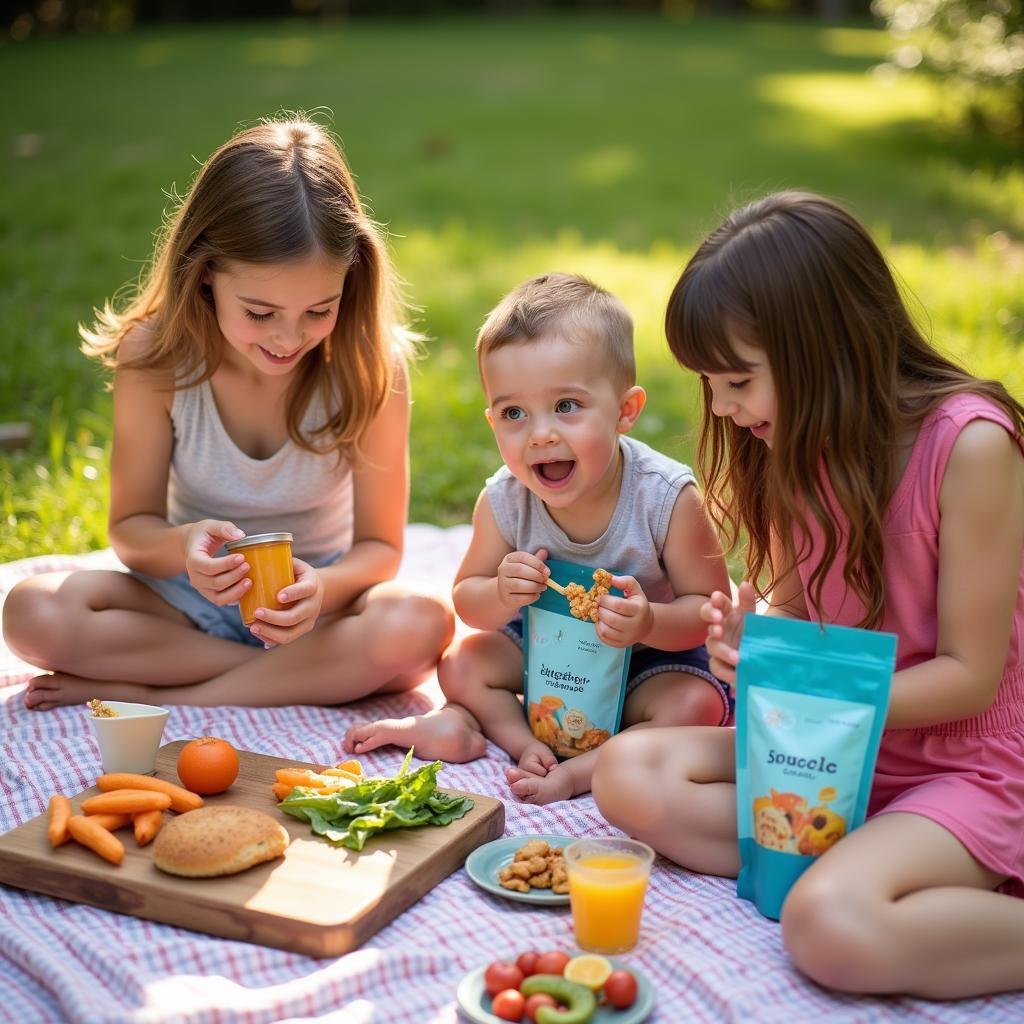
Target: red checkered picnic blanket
point(710, 956)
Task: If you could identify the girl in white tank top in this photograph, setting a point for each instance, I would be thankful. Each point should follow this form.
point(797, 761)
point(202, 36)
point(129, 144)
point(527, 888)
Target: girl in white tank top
point(260, 387)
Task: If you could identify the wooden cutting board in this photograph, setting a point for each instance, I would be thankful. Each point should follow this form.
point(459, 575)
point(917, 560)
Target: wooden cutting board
point(318, 899)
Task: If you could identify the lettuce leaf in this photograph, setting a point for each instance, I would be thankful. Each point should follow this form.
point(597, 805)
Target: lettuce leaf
point(351, 816)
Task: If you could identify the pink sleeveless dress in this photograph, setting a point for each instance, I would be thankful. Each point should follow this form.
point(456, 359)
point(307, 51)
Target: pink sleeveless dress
point(967, 776)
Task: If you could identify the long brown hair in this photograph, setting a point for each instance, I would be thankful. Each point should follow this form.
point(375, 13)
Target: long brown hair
point(797, 276)
point(277, 192)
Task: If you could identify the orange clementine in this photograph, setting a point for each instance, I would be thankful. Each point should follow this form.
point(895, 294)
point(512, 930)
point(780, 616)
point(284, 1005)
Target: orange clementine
point(207, 765)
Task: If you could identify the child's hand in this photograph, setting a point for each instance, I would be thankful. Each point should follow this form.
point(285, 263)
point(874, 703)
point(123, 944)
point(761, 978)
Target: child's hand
point(521, 578)
point(624, 621)
point(725, 628)
point(536, 759)
point(223, 579)
point(304, 599)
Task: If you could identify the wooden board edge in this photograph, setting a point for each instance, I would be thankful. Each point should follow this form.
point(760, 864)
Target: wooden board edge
point(293, 935)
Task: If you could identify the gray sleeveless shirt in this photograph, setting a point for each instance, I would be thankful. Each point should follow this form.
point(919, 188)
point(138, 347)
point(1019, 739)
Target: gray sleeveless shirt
point(633, 542)
point(308, 495)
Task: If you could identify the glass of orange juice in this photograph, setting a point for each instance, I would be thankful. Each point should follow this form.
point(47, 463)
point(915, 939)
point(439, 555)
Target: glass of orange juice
point(607, 883)
point(270, 568)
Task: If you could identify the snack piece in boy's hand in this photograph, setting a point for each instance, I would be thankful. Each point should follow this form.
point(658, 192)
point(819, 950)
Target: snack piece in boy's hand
point(101, 710)
point(583, 603)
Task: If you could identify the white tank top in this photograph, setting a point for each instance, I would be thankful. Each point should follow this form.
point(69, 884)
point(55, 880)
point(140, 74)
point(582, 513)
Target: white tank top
point(632, 544)
point(307, 494)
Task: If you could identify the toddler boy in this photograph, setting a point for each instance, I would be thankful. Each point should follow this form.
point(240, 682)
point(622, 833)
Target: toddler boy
point(557, 366)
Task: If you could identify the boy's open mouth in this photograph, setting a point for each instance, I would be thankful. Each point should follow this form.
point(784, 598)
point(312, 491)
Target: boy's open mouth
point(554, 472)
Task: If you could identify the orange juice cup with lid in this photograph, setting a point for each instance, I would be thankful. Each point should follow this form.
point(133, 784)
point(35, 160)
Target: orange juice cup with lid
point(607, 884)
point(270, 568)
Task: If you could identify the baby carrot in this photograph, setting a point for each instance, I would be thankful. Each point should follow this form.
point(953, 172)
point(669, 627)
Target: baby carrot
point(181, 799)
point(57, 828)
point(147, 824)
point(112, 822)
point(126, 801)
point(94, 836)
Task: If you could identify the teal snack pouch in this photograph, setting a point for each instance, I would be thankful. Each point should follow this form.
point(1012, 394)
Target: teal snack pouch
point(574, 684)
point(810, 707)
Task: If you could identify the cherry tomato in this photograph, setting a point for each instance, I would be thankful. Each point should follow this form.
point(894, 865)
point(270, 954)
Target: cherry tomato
point(536, 1001)
point(527, 962)
point(509, 1004)
point(551, 963)
point(620, 989)
point(501, 975)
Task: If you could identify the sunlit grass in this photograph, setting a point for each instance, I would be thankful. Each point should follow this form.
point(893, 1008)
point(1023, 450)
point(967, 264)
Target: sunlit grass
point(493, 149)
point(856, 42)
point(836, 102)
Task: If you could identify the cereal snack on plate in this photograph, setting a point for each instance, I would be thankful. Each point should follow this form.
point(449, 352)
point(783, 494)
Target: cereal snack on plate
point(536, 865)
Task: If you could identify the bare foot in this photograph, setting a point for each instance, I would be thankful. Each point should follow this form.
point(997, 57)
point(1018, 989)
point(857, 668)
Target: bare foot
point(546, 789)
point(440, 734)
point(40, 692)
point(515, 774)
point(53, 689)
point(537, 759)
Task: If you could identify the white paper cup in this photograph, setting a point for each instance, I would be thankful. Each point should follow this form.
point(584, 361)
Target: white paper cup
point(129, 742)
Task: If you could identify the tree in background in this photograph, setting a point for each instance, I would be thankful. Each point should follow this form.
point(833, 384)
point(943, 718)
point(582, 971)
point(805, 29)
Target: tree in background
point(977, 46)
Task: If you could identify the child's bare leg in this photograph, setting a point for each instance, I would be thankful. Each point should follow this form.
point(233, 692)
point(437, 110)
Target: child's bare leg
point(340, 660)
point(98, 625)
point(389, 643)
point(479, 675)
point(673, 698)
point(676, 790)
point(900, 906)
point(450, 733)
point(483, 673)
point(666, 699)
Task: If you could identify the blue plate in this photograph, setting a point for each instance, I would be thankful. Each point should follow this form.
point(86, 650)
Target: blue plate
point(484, 863)
point(475, 1003)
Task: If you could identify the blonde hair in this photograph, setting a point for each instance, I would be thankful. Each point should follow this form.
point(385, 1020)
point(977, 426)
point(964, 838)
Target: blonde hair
point(277, 192)
point(568, 305)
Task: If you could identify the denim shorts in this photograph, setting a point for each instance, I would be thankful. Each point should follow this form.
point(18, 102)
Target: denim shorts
point(645, 662)
point(224, 621)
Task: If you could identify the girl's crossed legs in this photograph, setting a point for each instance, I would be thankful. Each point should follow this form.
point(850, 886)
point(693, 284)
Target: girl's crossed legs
point(102, 630)
point(898, 906)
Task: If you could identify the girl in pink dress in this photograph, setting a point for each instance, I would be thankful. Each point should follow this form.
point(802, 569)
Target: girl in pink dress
point(881, 486)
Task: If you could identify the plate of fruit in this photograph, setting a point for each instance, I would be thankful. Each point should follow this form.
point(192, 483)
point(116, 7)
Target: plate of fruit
point(556, 987)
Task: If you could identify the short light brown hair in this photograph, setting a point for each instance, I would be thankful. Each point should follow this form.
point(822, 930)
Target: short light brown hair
point(571, 307)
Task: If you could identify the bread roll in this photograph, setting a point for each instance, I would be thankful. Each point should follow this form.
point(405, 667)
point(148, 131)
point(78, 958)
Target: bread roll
point(219, 840)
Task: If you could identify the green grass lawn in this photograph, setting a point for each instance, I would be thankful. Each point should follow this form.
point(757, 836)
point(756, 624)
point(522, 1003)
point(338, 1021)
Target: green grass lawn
point(492, 150)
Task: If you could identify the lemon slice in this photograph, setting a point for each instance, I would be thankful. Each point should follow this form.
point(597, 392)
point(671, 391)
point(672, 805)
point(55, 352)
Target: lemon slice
point(589, 969)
